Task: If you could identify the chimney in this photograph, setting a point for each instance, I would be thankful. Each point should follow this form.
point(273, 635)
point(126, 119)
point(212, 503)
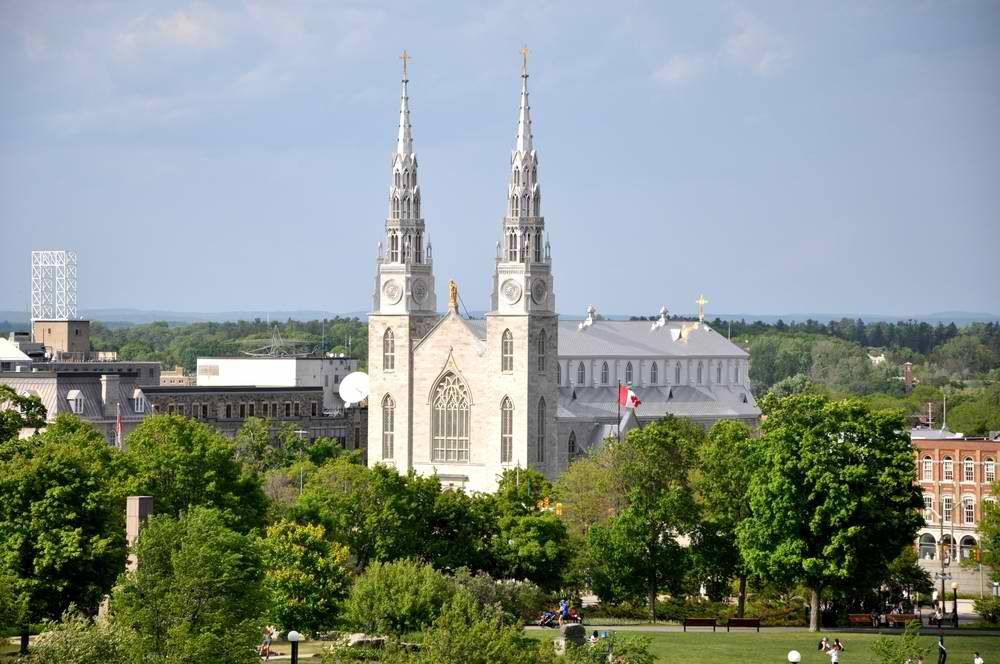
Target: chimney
point(110, 394)
point(137, 510)
point(908, 377)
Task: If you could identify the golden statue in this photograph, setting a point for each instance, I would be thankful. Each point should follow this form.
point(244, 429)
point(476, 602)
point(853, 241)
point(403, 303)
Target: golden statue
point(701, 302)
point(453, 295)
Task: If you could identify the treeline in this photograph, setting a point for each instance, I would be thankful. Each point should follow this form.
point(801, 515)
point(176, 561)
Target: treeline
point(252, 531)
point(182, 344)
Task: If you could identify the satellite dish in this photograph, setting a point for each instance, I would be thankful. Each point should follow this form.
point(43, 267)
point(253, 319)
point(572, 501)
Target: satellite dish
point(354, 387)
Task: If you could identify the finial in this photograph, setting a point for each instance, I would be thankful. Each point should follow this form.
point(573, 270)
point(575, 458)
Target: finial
point(661, 321)
point(701, 302)
point(404, 57)
point(524, 67)
point(453, 295)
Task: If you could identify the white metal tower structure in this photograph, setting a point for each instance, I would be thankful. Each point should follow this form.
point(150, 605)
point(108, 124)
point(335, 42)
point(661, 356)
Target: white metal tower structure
point(53, 285)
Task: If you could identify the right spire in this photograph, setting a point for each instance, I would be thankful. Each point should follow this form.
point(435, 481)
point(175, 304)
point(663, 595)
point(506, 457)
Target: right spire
point(523, 143)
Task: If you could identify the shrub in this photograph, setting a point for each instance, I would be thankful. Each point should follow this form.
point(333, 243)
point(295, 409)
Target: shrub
point(77, 640)
point(618, 648)
point(519, 601)
point(989, 609)
point(398, 597)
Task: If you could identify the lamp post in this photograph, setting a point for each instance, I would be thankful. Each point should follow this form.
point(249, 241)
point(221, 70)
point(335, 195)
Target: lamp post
point(293, 638)
point(954, 603)
point(300, 433)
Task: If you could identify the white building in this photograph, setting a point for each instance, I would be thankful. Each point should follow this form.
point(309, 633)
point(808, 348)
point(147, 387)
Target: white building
point(325, 372)
point(465, 399)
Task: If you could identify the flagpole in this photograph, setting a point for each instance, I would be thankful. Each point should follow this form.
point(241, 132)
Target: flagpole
point(618, 398)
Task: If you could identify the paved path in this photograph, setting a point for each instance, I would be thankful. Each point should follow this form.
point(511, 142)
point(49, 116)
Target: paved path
point(854, 630)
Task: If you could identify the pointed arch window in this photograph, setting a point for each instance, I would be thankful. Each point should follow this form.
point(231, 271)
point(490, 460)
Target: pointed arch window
point(418, 248)
point(388, 426)
point(581, 374)
point(534, 173)
point(541, 430)
point(450, 420)
point(541, 350)
point(511, 246)
point(628, 373)
point(677, 373)
point(571, 450)
point(653, 374)
point(397, 178)
point(388, 350)
point(605, 374)
point(538, 246)
point(416, 206)
point(517, 177)
point(524, 204)
point(506, 430)
point(515, 206)
point(507, 352)
point(538, 202)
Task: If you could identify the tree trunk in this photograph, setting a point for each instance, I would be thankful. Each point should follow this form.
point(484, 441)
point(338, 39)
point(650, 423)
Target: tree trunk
point(652, 601)
point(741, 601)
point(25, 634)
point(814, 622)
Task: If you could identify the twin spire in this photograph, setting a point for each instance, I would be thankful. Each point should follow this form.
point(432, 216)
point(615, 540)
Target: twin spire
point(523, 142)
point(404, 142)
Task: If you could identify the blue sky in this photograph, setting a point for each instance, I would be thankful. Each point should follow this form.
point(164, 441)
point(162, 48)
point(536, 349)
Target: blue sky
point(777, 156)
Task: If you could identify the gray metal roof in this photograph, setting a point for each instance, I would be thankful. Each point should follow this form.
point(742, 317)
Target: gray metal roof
point(53, 390)
point(627, 338)
point(707, 402)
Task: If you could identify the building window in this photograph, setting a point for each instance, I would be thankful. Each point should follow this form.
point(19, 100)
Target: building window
point(928, 547)
point(538, 244)
point(251, 409)
point(700, 367)
point(243, 410)
point(928, 469)
point(541, 351)
point(571, 446)
point(229, 411)
point(263, 409)
point(388, 426)
point(928, 508)
point(949, 469)
point(581, 374)
point(718, 374)
point(991, 470)
point(947, 506)
point(967, 547)
point(274, 409)
point(138, 402)
point(314, 409)
point(506, 430)
point(677, 373)
point(204, 411)
point(296, 409)
point(968, 510)
point(450, 420)
point(736, 374)
point(628, 373)
point(969, 470)
point(653, 374)
point(388, 351)
point(558, 374)
point(75, 399)
point(194, 410)
point(507, 352)
point(288, 409)
point(541, 430)
point(605, 375)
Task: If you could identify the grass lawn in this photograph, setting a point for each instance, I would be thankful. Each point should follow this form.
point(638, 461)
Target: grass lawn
point(720, 647)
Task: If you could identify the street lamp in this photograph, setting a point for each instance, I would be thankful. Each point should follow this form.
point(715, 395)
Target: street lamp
point(301, 433)
point(954, 604)
point(794, 656)
point(293, 638)
point(996, 589)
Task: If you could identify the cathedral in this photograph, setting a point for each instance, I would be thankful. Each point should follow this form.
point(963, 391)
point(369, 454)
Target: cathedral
point(467, 398)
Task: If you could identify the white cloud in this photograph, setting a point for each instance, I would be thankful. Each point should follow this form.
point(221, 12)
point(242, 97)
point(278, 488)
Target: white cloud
point(755, 45)
point(680, 69)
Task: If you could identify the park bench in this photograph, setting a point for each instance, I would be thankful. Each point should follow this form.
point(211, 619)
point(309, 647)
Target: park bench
point(901, 619)
point(743, 622)
point(860, 619)
point(699, 622)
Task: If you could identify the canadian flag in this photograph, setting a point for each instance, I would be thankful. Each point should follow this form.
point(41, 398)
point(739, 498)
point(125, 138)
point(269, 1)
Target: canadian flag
point(627, 398)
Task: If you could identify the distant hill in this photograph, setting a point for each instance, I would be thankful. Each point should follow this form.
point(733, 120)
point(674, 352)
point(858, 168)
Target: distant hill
point(115, 317)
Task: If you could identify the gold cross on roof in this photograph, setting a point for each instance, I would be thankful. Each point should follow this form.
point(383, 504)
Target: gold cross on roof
point(524, 54)
point(701, 302)
point(404, 57)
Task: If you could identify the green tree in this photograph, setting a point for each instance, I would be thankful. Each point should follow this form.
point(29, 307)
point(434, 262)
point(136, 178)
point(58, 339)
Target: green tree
point(588, 493)
point(62, 536)
point(185, 463)
point(726, 466)
point(253, 444)
point(979, 415)
point(378, 513)
point(17, 412)
point(306, 576)
point(833, 498)
point(77, 639)
point(398, 597)
point(521, 491)
point(989, 533)
point(460, 532)
point(903, 649)
point(196, 594)
point(532, 547)
point(637, 550)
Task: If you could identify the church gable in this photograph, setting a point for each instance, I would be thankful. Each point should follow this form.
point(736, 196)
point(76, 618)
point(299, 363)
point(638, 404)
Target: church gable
point(454, 330)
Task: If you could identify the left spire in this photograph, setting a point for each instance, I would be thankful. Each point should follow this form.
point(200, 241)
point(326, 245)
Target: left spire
point(404, 142)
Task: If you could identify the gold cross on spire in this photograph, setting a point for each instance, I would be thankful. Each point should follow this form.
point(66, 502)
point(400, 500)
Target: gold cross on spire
point(404, 57)
point(701, 302)
point(524, 54)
